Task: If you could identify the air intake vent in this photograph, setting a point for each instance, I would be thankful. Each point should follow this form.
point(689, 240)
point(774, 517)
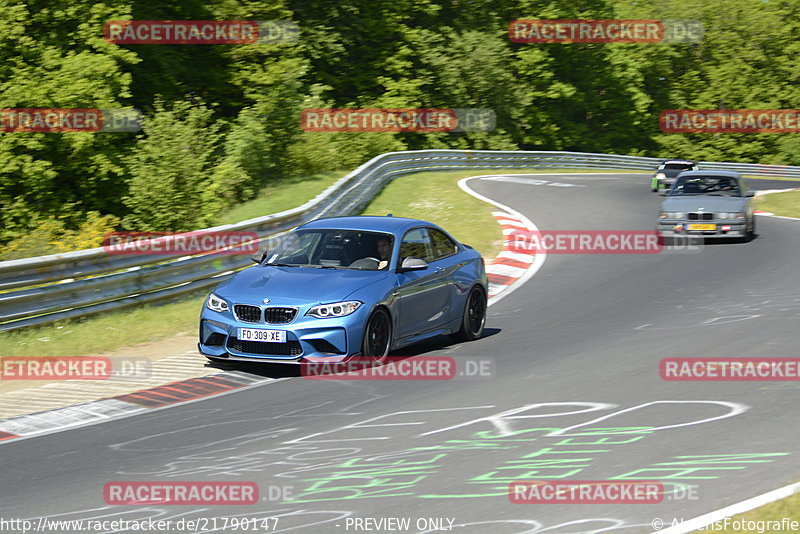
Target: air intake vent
point(247, 314)
point(279, 315)
point(290, 348)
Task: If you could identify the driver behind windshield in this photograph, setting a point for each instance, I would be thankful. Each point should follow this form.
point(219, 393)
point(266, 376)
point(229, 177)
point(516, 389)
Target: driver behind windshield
point(384, 248)
point(707, 186)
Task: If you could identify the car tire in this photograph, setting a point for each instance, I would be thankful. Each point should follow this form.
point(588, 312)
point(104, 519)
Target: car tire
point(377, 340)
point(751, 233)
point(473, 319)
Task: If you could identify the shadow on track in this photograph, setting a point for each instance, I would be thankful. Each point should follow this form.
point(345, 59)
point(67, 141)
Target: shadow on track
point(274, 370)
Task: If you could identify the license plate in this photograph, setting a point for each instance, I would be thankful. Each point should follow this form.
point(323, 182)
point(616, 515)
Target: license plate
point(258, 334)
point(702, 227)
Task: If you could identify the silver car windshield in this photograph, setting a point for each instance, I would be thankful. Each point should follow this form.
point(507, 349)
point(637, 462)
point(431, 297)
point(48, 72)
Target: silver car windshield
point(706, 185)
point(334, 249)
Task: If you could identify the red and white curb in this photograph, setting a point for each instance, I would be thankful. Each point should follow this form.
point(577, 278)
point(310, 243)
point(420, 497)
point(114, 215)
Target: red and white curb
point(509, 266)
point(181, 391)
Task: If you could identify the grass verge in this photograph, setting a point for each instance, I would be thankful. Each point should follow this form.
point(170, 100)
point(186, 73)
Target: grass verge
point(432, 196)
point(786, 204)
point(763, 517)
point(107, 332)
point(281, 196)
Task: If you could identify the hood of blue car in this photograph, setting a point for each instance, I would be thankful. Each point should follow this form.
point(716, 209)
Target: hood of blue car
point(295, 285)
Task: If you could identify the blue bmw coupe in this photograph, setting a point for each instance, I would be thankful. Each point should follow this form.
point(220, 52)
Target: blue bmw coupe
point(346, 286)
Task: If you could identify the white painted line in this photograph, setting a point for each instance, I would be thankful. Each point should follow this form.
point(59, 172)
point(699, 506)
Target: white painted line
point(770, 191)
point(778, 216)
point(734, 509)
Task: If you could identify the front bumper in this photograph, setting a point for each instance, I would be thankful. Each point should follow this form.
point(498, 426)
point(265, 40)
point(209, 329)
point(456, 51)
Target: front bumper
point(723, 229)
point(307, 339)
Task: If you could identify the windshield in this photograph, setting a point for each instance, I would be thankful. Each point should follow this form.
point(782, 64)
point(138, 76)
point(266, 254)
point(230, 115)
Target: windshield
point(334, 249)
point(706, 185)
point(678, 166)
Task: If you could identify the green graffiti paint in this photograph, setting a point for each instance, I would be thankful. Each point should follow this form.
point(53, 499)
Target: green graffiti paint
point(688, 467)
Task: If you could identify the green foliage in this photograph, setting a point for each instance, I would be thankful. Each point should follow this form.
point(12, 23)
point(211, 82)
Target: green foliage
point(222, 121)
point(51, 236)
point(170, 166)
point(52, 56)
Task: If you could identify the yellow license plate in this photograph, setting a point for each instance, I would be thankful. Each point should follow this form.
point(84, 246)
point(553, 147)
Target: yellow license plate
point(702, 227)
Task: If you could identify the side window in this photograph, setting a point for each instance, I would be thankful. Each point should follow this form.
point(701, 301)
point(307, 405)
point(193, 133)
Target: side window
point(416, 243)
point(443, 246)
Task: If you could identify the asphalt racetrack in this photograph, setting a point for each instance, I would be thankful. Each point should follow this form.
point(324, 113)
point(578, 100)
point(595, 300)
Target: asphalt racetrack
point(575, 394)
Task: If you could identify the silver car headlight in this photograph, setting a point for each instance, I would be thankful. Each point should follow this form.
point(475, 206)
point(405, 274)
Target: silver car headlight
point(216, 304)
point(661, 175)
point(672, 215)
point(337, 309)
point(730, 215)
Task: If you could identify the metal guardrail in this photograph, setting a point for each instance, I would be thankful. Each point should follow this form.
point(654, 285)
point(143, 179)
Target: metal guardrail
point(45, 289)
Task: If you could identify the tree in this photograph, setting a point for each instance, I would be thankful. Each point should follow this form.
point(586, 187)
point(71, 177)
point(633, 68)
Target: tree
point(170, 166)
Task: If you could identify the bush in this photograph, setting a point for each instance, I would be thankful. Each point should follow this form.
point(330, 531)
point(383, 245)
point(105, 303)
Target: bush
point(51, 236)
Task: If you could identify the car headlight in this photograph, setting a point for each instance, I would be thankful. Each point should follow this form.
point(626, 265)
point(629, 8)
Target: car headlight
point(730, 215)
point(672, 215)
point(215, 303)
point(661, 175)
point(337, 309)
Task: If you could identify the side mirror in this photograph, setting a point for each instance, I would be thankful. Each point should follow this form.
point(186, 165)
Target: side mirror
point(750, 194)
point(259, 256)
point(413, 264)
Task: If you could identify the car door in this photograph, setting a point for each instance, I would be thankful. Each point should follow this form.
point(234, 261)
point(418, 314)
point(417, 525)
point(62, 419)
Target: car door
point(423, 297)
point(449, 262)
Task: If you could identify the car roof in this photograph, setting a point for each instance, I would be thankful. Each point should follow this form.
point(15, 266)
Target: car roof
point(393, 225)
point(726, 174)
point(678, 162)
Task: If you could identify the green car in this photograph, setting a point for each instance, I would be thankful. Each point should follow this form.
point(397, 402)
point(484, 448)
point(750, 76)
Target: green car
point(667, 172)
